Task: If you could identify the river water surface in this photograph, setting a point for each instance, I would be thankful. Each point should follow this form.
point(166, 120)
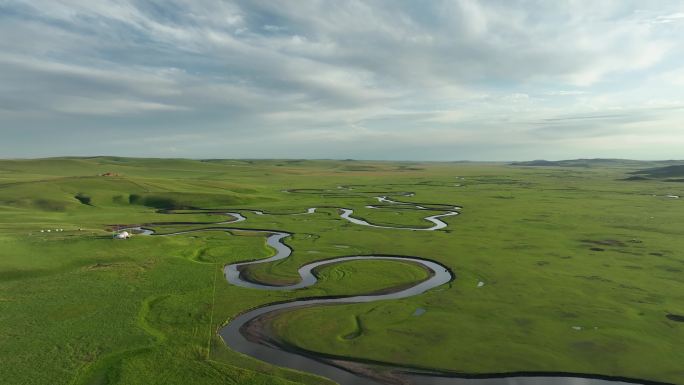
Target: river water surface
point(235, 334)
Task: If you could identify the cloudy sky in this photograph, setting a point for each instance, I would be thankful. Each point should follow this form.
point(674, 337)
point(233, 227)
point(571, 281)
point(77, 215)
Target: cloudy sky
point(432, 80)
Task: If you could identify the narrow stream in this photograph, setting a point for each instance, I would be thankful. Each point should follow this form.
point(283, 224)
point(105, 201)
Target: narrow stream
point(235, 333)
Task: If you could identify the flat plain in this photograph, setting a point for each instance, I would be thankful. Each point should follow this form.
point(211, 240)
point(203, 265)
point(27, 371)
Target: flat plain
point(561, 267)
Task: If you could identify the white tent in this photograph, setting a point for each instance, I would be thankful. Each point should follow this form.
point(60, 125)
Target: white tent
point(122, 235)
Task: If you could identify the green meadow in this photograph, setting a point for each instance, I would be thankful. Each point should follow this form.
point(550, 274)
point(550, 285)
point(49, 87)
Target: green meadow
point(561, 267)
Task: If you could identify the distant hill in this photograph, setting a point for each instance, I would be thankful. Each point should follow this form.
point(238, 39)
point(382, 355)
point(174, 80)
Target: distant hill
point(666, 172)
point(539, 162)
point(598, 162)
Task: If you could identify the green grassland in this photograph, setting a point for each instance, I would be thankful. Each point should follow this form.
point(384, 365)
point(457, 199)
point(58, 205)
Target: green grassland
point(580, 268)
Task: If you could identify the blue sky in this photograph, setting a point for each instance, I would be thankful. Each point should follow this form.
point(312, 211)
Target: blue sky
point(437, 80)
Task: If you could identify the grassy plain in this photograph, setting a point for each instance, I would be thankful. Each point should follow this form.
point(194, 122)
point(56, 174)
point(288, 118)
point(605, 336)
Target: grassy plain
point(580, 269)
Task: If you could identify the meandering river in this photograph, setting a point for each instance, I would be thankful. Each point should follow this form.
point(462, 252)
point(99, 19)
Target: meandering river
point(243, 332)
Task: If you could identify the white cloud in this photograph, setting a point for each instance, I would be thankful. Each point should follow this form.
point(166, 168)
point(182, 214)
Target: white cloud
point(86, 106)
